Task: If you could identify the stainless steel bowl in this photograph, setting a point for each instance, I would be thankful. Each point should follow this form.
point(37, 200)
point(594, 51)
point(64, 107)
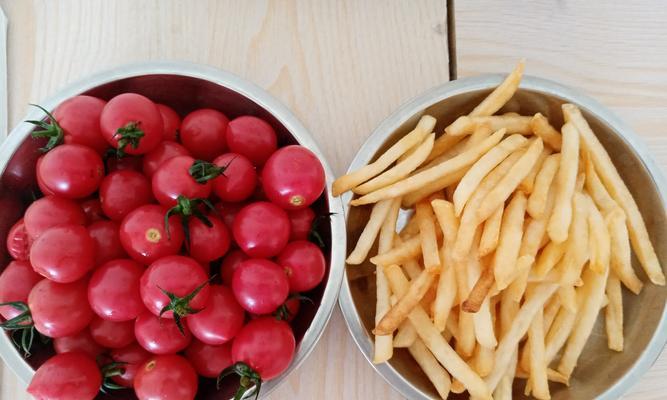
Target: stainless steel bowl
point(186, 87)
point(601, 373)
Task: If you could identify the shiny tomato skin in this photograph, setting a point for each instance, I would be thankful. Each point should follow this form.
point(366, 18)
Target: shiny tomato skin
point(293, 305)
point(113, 291)
point(131, 163)
point(64, 253)
point(163, 152)
point(143, 234)
point(301, 222)
point(230, 263)
point(18, 241)
point(60, 309)
point(228, 211)
point(159, 335)
point(261, 229)
point(171, 122)
point(266, 345)
point(293, 177)
point(208, 243)
point(172, 179)
point(51, 211)
point(133, 356)
point(81, 342)
point(16, 281)
point(260, 286)
point(124, 191)
point(203, 133)
point(106, 237)
point(40, 184)
point(71, 170)
point(112, 334)
point(65, 377)
point(167, 377)
point(209, 361)
point(252, 137)
point(220, 321)
point(79, 117)
point(304, 265)
point(92, 208)
point(134, 108)
point(239, 179)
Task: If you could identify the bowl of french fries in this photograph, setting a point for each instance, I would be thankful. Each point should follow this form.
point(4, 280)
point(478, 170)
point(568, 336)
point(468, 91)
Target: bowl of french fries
point(506, 238)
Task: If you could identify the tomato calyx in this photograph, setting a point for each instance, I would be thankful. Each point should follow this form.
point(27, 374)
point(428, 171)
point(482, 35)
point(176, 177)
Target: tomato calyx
point(314, 235)
point(109, 371)
point(181, 305)
point(204, 171)
point(283, 312)
point(249, 379)
point(186, 208)
point(50, 130)
point(130, 134)
point(21, 324)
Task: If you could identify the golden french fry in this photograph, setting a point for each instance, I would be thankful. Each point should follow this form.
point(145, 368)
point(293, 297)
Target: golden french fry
point(482, 360)
point(542, 187)
point(370, 232)
point(566, 180)
point(501, 94)
point(481, 132)
point(457, 387)
point(614, 313)
point(568, 297)
point(410, 199)
point(538, 365)
point(528, 183)
point(504, 389)
point(552, 375)
point(577, 246)
point(446, 289)
point(433, 370)
point(511, 233)
point(442, 145)
point(405, 335)
point(599, 239)
point(550, 311)
point(408, 249)
point(559, 332)
point(621, 255)
point(548, 258)
point(427, 235)
point(347, 182)
point(483, 321)
point(514, 124)
point(479, 292)
point(491, 233)
point(596, 189)
point(393, 318)
point(469, 270)
point(411, 227)
point(542, 128)
point(461, 126)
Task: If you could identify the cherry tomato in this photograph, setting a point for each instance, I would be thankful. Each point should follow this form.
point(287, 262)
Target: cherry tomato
point(230, 263)
point(260, 286)
point(171, 122)
point(124, 191)
point(16, 282)
point(18, 241)
point(292, 306)
point(172, 179)
point(51, 211)
point(252, 137)
point(19, 174)
point(168, 377)
point(79, 118)
point(207, 360)
point(304, 265)
point(159, 335)
point(132, 357)
point(203, 133)
point(301, 222)
point(163, 152)
point(266, 345)
point(71, 170)
point(81, 342)
point(222, 318)
point(112, 334)
point(228, 211)
point(208, 243)
point(293, 177)
point(113, 291)
point(143, 234)
point(60, 309)
point(40, 184)
point(179, 276)
point(261, 229)
point(238, 181)
point(65, 377)
point(124, 163)
point(63, 253)
point(132, 123)
point(92, 208)
point(106, 237)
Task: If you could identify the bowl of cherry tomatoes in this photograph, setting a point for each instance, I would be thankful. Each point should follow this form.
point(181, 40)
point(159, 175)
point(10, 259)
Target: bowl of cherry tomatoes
point(169, 234)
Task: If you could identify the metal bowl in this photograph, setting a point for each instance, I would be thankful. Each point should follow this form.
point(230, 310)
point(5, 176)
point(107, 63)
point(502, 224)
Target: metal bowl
point(601, 373)
point(186, 87)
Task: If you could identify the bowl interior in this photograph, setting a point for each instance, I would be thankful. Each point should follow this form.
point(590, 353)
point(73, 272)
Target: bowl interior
point(599, 368)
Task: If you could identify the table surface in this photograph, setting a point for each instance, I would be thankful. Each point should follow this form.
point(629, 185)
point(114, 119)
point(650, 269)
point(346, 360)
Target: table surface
point(343, 66)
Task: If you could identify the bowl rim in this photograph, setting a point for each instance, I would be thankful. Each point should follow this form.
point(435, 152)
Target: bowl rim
point(263, 99)
point(416, 106)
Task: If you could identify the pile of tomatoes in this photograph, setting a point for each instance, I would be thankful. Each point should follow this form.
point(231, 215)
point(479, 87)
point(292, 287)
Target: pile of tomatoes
point(161, 249)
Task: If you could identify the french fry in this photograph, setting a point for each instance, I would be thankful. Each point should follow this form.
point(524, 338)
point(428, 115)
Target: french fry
point(480, 291)
point(482, 360)
point(550, 256)
point(432, 369)
point(542, 187)
point(442, 145)
point(542, 128)
point(513, 124)
point(621, 257)
point(511, 233)
point(469, 269)
point(393, 318)
point(446, 290)
point(484, 331)
point(504, 389)
point(491, 233)
point(566, 179)
point(370, 232)
point(427, 235)
point(550, 311)
point(501, 94)
point(538, 366)
point(528, 183)
point(552, 375)
point(408, 249)
point(596, 189)
point(405, 335)
point(614, 313)
point(461, 126)
point(410, 229)
point(577, 245)
point(568, 297)
point(410, 199)
point(417, 135)
point(559, 332)
point(600, 241)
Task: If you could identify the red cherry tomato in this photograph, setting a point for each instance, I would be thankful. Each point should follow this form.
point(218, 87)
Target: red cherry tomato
point(124, 164)
point(163, 152)
point(18, 241)
point(16, 282)
point(113, 291)
point(51, 211)
point(106, 237)
point(222, 318)
point(266, 345)
point(230, 263)
point(171, 122)
point(261, 229)
point(159, 335)
point(208, 243)
point(304, 265)
point(169, 377)
point(60, 309)
point(40, 184)
point(252, 137)
point(132, 123)
point(65, 377)
point(293, 177)
point(292, 306)
point(63, 253)
point(132, 357)
point(207, 360)
point(203, 133)
point(172, 179)
point(92, 208)
point(143, 234)
point(228, 211)
point(177, 275)
point(124, 191)
point(71, 170)
point(79, 117)
point(238, 181)
point(81, 342)
point(260, 286)
point(301, 222)
point(112, 334)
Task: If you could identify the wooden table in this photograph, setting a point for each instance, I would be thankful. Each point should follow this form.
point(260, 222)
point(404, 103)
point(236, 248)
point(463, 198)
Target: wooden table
point(343, 66)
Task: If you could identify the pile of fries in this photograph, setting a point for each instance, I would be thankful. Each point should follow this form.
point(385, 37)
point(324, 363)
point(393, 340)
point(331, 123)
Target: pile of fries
point(521, 235)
